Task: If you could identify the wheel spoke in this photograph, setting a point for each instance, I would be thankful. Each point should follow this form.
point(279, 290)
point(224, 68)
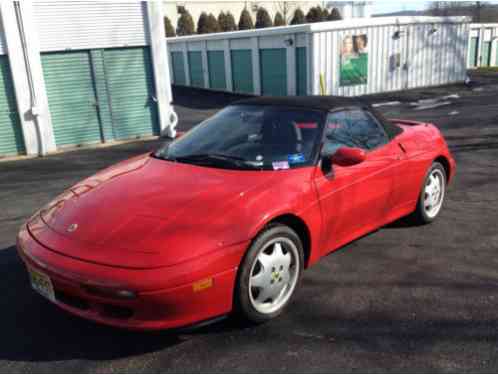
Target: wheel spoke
point(264, 294)
point(265, 260)
point(278, 251)
point(428, 186)
point(260, 280)
point(286, 261)
point(427, 200)
point(286, 276)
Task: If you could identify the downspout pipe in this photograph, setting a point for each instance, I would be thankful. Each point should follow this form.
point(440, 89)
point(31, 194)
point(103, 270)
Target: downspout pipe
point(32, 92)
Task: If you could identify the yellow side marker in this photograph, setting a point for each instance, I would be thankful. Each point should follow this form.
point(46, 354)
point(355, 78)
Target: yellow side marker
point(200, 285)
point(323, 87)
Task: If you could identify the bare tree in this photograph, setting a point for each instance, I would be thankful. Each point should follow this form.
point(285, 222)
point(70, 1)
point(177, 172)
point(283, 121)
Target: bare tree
point(479, 11)
point(285, 8)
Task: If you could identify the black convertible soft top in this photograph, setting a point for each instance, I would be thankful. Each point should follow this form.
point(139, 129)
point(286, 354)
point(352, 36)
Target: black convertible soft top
point(323, 103)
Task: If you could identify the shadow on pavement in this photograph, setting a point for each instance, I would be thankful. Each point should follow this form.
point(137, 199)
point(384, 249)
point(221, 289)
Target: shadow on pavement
point(39, 331)
point(203, 99)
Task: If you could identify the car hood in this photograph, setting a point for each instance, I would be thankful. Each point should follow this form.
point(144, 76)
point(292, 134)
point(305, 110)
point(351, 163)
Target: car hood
point(147, 213)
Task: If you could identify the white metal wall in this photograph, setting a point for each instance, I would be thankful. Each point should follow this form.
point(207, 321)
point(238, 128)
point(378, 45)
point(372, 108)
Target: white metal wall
point(3, 48)
point(427, 57)
point(90, 24)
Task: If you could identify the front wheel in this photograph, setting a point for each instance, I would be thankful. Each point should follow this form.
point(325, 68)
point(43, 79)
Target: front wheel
point(432, 195)
point(269, 274)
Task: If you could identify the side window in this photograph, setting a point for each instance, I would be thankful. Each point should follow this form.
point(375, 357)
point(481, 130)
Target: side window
point(352, 128)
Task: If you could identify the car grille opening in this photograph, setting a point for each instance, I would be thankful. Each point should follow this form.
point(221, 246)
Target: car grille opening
point(72, 301)
point(115, 312)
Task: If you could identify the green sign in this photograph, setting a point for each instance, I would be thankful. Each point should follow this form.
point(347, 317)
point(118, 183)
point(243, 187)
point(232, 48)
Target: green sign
point(354, 60)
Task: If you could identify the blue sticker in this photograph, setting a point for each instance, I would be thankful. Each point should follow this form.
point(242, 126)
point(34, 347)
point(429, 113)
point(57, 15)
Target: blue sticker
point(296, 158)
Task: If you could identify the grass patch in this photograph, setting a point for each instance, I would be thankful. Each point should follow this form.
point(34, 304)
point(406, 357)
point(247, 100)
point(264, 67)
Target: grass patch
point(488, 69)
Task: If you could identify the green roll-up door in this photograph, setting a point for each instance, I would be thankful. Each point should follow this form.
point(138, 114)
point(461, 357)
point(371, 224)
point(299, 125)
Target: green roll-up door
point(273, 64)
point(496, 54)
point(178, 68)
point(486, 54)
point(216, 65)
point(130, 83)
point(195, 68)
point(71, 97)
point(301, 76)
point(11, 138)
point(474, 42)
point(242, 71)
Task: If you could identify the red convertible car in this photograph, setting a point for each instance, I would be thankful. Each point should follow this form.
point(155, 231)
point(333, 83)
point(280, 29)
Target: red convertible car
point(226, 217)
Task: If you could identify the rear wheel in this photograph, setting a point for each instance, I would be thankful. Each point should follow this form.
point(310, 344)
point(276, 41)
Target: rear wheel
point(432, 195)
point(269, 274)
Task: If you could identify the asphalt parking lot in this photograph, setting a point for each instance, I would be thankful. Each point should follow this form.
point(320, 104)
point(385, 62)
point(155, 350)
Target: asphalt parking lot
point(404, 298)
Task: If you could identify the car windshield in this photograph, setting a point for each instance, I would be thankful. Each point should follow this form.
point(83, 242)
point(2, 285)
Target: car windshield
point(250, 137)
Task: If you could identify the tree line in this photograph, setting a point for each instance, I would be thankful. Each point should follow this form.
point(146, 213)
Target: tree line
point(208, 23)
point(479, 11)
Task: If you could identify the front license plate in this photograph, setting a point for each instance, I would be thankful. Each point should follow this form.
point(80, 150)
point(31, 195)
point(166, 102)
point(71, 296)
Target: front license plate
point(42, 284)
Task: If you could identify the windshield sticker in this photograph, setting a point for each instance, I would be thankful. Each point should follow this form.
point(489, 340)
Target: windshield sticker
point(334, 126)
point(296, 158)
point(280, 165)
point(307, 125)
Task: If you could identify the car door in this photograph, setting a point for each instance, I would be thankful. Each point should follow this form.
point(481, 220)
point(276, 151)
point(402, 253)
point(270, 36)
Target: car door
point(355, 199)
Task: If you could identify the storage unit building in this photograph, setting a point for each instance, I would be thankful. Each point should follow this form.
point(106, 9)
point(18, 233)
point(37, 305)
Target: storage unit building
point(100, 69)
point(97, 70)
point(11, 137)
point(344, 58)
point(483, 45)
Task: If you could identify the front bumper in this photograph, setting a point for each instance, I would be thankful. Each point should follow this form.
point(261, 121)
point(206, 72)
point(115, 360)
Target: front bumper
point(167, 306)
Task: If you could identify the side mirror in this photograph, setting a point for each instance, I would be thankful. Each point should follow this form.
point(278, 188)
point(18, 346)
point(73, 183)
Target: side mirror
point(346, 156)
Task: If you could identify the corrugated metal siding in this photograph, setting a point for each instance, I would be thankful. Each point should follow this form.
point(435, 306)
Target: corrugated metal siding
point(216, 68)
point(178, 66)
point(425, 59)
point(273, 65)
point(130, 83)
point(301, 71)
point(66, 25)
point(195, 69)
point(71, 97)
point(242, 71)
point(11, 138)
point(3, 45)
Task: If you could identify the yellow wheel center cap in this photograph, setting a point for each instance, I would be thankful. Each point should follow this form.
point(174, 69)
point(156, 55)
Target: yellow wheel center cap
point(275, 275)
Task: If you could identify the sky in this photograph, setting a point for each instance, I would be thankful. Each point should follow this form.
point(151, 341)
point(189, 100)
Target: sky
point(385, 6)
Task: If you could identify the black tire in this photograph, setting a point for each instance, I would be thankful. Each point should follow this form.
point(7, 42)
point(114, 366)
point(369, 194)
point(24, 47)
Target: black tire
point(420, 215)
point(242, 301)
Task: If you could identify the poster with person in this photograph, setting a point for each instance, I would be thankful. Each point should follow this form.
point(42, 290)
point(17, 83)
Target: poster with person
point(354, 60)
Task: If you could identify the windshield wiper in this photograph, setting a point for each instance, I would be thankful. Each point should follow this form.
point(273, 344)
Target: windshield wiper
point(215, 159)
point(158, 155)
